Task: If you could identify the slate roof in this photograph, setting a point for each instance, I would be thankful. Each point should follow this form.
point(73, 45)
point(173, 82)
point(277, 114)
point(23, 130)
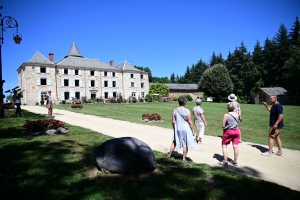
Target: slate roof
point(74, 51)
point(126, 66)
point(275, 91)
point(175, 86)
point(40, 59)
point(82, 62)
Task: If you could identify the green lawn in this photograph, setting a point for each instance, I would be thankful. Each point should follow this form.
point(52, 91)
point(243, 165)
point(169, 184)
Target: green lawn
point(62, 166)
point(254, 128)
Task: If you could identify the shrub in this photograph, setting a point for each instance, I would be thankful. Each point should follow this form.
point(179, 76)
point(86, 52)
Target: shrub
point(148, 98)
point(188, 97)
point(76, 106)
point(40, 125)
point(42, 102)
point(175, 98)
point(9, 106)
point(63, 101)
point(112, 99)
point(153, 116)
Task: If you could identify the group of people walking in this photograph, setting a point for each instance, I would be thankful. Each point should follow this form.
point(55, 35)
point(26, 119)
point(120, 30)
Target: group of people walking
point(185, 137)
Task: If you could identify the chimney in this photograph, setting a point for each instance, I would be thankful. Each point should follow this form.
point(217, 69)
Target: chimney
point(51, 57)
point(111, 63)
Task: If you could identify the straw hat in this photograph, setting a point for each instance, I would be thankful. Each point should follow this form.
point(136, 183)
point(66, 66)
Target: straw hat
point(232, 97)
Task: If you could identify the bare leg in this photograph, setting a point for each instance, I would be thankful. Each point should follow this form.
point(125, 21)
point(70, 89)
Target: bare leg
point(278, 141)
point(236, 152)
point(172, 147)
point(224, 149)
point(185, 151)
point(271, 144)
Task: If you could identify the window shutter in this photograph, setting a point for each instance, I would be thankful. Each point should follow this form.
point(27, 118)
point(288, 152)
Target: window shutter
point(62, 82)
point(134, 75)
point(137, 94)
point(109, 83)
point(80, 83)
point(90, 83)
point(62, 95)
point(79, 72)
point(72, 95)
point(39, 96)
point(62, 71)
point(96, 84)
point(96, 73)
point(48, 70)
point(102, 83)
point(116, 74)
point(48, 81)
point(38, 81)
point(117, 84)
point(69, 72)
point(102, 74)
point(89, 72)
point(103, 94)
point(38, 69)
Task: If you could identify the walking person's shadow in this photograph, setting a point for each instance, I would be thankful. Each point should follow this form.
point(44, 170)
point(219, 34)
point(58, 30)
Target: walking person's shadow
point(260, 148)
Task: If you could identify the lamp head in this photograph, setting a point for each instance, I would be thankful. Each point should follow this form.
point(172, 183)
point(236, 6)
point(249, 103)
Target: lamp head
point(17, 38)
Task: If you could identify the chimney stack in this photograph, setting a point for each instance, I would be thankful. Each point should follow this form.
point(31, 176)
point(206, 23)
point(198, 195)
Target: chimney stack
point(51, 57)
point(111, 63)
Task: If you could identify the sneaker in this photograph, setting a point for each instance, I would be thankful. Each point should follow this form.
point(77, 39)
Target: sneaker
point(278, 153)
point(266, 154)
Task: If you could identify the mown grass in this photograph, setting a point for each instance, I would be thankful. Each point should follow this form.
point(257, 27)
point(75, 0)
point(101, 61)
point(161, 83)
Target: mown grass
point(254, 127)
point(62, 167)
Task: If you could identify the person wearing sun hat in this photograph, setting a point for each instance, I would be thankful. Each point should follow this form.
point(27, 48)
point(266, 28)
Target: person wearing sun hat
point(199, 120)
point(237, 108)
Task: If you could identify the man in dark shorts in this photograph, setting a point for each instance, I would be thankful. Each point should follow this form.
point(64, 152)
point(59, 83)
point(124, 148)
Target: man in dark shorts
point(276, 123)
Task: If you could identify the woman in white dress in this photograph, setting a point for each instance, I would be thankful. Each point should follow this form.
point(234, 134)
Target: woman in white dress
point(183, 136)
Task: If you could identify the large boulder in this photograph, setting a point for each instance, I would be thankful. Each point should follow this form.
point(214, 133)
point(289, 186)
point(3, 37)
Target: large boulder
point(125, 155)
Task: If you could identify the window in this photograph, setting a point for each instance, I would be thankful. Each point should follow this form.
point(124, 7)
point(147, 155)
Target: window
point(142, 85)
point(133, 94)
point(114, 84)
point(43, 81)
point(43, 95)
point(132, 84)
point(67, 95)
point(77, 95)
point(105, 83)
point(105, 73)
point(76, 83)
point(115, 94)
point(43, 69)
point(92, 73)
point(142, 76)
point(131, 75)
point(114, 74)
point(65, 71)
point(76, 72)
point(143, 94)
point(66, 82)
point(105, 95)
point(92, 83)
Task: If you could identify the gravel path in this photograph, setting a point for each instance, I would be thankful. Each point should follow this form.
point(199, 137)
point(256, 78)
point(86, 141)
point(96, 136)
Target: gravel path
point(280, 170)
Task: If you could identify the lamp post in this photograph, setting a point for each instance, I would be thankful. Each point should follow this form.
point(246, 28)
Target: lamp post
point(6, 22)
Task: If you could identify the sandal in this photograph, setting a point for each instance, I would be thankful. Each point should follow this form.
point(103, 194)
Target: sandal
point(223, 163)
point(234, 163)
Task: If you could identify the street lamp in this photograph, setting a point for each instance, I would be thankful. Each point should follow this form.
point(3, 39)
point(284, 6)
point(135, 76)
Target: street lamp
point(6, 22)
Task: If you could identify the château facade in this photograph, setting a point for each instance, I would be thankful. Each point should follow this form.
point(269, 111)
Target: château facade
point(77, 77)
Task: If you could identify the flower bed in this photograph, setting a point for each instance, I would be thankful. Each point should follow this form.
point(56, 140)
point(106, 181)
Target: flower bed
point(40, 125)
point(9, 106)
point(151, 117)
point(78, 106)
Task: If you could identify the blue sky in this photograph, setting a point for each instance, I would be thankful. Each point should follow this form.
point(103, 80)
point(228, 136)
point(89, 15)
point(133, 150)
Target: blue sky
point(164, 35)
